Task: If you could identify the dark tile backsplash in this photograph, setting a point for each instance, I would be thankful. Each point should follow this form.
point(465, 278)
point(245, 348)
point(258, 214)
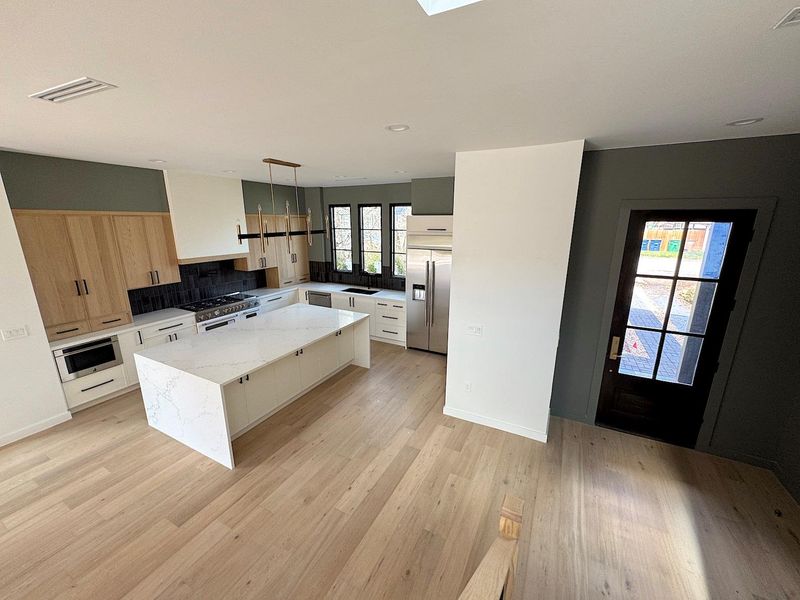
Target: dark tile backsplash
point(200, 281)
point(323, 272)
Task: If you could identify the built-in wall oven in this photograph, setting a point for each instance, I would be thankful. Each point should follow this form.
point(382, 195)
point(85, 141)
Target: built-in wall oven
point(87, 358)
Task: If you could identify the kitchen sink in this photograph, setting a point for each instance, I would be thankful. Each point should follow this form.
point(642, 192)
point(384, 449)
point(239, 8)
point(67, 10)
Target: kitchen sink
point(360, 291)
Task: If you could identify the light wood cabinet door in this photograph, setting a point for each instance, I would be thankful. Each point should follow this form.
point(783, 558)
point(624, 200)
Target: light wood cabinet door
point(132, 242)
point(147, 250)
point(161, 244)
point(48, 253)
point(257, 257)
point(283, 253)
point(302, 269)
point(99, 270)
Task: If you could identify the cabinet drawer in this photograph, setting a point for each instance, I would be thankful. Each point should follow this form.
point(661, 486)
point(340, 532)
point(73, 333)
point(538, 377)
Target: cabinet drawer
point(108, 321)
point(392, 332)
point(85, 389)
point(389, 305)
point(162, 329)
point(171, 335)
point(390, 316)
point(277, 301)
point(66, 330)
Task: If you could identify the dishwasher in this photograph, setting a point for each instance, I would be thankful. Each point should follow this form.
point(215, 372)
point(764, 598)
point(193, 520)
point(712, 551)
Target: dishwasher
point(319, 298)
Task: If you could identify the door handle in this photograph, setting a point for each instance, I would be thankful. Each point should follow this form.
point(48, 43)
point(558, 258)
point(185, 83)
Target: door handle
point(433, 289)
point(85, 287)
point(428, 289)
point(77, 286)
point(152, 279)
point(158, 279)
point(614, 354)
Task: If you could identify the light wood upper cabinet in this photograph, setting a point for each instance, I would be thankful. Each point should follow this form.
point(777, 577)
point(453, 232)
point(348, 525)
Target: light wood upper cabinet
point(147, 250)
point(48, 253)
point(76, 271)
point(259, 256)
point(302, 269)
point(291, 256)
point(99, 270)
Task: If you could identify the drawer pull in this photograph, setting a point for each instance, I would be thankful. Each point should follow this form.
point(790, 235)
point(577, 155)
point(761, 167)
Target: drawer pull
point(392, 332)
point(388, 317)
point(382, 304)
point(170, 326)
point(397, 306)
point(91, 387)
point(67, 330)
point(275, 299)
point(112, 321)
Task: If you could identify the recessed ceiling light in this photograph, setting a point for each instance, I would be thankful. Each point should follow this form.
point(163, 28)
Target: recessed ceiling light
point(158, 161)
point(743, 122)
point(348, 178)
point(229, 171)
point(401, 172)
point(791, 18)
point(73, 89)
point(398, 127)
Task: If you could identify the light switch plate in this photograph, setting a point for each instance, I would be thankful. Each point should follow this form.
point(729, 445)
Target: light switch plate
point(14, 333)
point(474, 329)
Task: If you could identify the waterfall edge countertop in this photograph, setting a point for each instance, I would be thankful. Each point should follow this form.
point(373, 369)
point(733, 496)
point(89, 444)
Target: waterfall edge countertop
point(227, 354)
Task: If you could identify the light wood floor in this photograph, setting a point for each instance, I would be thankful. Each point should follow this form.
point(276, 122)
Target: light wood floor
point(363, 489)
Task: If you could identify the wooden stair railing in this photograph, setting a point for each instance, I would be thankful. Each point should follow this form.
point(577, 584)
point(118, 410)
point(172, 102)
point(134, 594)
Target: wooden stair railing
point(494, 577)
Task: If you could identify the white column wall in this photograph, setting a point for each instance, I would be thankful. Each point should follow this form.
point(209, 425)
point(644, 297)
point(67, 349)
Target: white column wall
point(512, 226)
point(31, 398)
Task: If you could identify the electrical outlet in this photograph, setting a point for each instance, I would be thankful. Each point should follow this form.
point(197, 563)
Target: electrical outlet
point(475, 330)
point(467, 386)
point(14, 333)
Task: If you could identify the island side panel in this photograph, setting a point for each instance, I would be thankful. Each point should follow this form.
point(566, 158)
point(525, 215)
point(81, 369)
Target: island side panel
point(361, 344)
point(187, 408)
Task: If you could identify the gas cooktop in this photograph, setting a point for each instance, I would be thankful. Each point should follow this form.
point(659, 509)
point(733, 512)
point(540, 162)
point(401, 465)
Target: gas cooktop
point(212, 308)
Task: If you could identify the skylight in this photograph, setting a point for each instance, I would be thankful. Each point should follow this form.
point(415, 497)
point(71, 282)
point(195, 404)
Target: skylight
point(434, 7)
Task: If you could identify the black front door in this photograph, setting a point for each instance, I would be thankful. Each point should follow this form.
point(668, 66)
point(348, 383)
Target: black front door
point(680, 271)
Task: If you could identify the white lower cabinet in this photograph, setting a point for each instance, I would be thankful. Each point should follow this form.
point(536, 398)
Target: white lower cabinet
point(148, 337)
point(91, 387)
point(276, 301)
point(259, 394)
point(341, 301)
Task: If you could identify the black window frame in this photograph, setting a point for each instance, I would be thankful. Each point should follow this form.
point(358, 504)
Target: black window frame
point(362, 270)
point(333, 236)
point(392, 252)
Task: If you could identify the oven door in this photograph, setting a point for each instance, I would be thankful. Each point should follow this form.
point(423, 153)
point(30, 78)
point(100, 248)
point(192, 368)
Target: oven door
point(216, 324)
point(85, 359)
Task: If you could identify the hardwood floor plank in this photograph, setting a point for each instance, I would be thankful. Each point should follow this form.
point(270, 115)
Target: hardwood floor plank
point(362, 488)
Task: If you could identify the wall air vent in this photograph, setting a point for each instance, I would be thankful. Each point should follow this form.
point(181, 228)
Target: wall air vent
point(72, 89)
point(791, 18)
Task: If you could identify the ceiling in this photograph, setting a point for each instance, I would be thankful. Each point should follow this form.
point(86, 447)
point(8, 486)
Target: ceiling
point(213, 86)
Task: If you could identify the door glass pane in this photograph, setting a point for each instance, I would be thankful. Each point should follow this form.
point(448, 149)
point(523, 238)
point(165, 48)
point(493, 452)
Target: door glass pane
point(649, 302)
point(661, 243)
point(679, 358)
point(639, 353)
point(691, 306)
point(704, 250)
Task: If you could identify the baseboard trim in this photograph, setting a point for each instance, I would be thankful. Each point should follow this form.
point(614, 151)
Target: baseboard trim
point(465, 415)
point(34, 428)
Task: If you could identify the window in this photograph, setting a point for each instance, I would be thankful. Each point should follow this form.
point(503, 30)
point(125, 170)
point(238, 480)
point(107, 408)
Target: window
point(341, 239)
point(400, 213)
point(369, 223)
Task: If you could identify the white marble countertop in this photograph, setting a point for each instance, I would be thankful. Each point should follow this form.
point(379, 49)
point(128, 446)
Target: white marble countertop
point(394, 295)
point(224, 355)
point(139, 321)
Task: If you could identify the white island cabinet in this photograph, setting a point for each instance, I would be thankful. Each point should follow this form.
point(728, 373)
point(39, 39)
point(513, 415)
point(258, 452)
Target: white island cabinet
point(205, 390)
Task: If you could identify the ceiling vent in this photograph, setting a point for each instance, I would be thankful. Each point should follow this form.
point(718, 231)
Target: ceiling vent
point(791, 18)
point(72, 89)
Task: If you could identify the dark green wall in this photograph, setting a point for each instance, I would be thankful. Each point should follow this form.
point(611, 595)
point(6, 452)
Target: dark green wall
point(256, 193)
point(44, 182)
point(760, 414)
point(433, 196)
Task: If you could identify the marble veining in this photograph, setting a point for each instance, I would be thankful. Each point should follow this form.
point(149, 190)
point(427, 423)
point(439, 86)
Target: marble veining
point(224, 355)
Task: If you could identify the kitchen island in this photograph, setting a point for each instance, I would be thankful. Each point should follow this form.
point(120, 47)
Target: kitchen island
point(208, 389)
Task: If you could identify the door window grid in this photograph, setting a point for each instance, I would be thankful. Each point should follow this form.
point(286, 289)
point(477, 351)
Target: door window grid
point(370, 227)
point(400, 213)
point(341, 238)
point(676, 353)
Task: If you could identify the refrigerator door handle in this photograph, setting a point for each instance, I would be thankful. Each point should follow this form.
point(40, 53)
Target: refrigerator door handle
point(433, 289)
point(427, 289)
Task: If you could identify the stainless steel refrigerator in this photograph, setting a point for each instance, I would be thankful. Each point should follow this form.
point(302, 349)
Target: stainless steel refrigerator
point(428, 295)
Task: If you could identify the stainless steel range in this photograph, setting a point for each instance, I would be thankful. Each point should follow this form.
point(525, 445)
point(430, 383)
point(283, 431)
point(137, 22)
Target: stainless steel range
point(223, 311)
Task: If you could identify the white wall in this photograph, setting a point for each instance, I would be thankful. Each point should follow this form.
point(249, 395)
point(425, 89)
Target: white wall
point(512, 223)
point(31, 398)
